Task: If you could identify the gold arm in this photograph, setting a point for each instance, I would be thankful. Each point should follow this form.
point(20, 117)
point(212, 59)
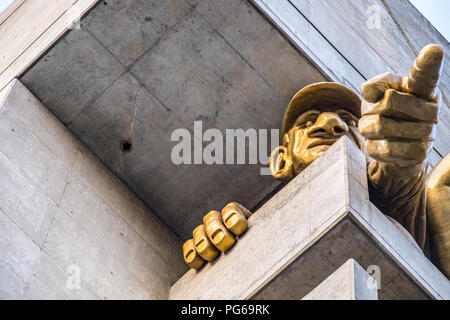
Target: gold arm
point(438, 214)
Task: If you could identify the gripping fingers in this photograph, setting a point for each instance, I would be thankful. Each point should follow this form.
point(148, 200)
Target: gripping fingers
point(235, 216)
point(403, 106)
point(217, 232)
point(376, 127)
point(398, 153)
point(203, 245)
point(373, 90)
point(191, 257)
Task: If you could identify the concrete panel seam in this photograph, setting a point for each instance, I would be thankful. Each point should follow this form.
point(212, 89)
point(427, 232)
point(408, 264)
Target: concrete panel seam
point(6, 91)
point(26, 175)
point(94, 99)
point(315, 28)
point(18, 227)
point(62, 14)
point(240, 55)
point(303, 48)
point(167, 33)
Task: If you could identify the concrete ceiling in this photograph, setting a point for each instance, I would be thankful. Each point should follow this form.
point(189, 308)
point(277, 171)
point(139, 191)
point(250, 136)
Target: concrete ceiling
point(137, 70)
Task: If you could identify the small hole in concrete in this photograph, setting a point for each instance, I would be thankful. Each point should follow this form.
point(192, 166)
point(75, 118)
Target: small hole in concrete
point(126, 146)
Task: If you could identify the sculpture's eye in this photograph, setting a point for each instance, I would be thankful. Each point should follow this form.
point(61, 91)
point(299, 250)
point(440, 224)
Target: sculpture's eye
point(307, 119)
point(347, 118)
point(308, 124)
point(305, 124)
point(351, 123)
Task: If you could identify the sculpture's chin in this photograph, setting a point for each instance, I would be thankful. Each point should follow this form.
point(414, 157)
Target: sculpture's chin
point(304, 159)
point(315, 152)
point(318, 150)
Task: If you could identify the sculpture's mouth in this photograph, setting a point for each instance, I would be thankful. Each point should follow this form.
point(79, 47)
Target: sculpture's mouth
point(321, 142)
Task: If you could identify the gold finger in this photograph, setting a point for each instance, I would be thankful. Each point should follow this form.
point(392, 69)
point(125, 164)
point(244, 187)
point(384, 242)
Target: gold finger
point(403, 106)
point(377, 127)
point(399, 153)
point(203, 245)
point(191, 257)
point(235, 217)
point(373, 90)
point(216, 231)
point(426, 71)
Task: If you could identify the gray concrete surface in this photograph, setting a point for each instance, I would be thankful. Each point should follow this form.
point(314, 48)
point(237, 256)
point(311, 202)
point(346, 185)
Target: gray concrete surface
point(309, 229)
point(138, 69)
point(61, 208)
point(349, 282)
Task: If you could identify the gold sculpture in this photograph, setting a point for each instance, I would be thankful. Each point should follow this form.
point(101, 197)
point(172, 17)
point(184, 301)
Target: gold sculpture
point(216, 231)
point(315, 118)
point(191, 256)
point(235, 217)
point(397, 119)
point(438, 211)
point(203, 244)
point(214, 234)
point(394, 126)
point(399, 126)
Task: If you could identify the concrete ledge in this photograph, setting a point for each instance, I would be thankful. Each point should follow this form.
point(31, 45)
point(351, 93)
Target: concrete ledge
point(349, 282)
point(5, 92)
point(308, 230)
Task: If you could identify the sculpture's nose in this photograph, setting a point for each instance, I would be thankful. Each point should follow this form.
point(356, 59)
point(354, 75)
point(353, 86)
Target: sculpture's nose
point(328, 125)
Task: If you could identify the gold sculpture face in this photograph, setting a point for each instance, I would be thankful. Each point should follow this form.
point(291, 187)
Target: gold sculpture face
point(315, 118)
point(314, 132)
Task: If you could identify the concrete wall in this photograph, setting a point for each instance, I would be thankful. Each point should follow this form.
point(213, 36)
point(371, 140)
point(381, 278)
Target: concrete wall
point(349, 282)
point(61, 209)
point(137, 70)
point(29, 27)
